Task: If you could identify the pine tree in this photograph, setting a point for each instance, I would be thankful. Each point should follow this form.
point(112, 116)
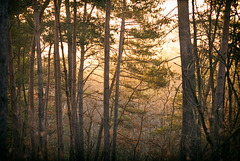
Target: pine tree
point(188, 145)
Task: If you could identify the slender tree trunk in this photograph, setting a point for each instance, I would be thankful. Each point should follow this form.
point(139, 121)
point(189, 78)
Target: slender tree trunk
point(19, 85)
point(66, 78)
point(230, 63)
point(117, 84)
point(188, 147)
point(89, 133)
point(106, 153)
point(13, 102)
point(139, 138)
point(102, 120)
point(199, 80)
point(210, 57)
point(46, 96)
point(70, 61)
point(80, 153)
point(171, 124)
point(69, 40)
point(57, 75)
point(31, 89)
point(26, 110)
point(31, 100)
point(81, 84)
point(211, 39)
point(218, 129)
point(42, 131)
point(73, 92)
point(3, 77)
point(98, 141)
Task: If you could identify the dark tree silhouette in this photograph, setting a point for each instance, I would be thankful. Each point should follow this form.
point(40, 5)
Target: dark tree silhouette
point(189, 127)
point(3, 75)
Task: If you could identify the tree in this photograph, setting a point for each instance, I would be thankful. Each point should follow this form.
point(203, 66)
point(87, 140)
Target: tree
point(46, 100)
point(70, 77)
point(199, 81)
point(13, 102)
point(58, 95)
point(69, 40)
point(121, 41)
point(106, 153)
point(31, 100)
point(144, 37)
point(214, 21)
point(3, 77)
point(189, 127)
point(73, 91)
point(81, 84)
point(220, 88)
point(42, 131)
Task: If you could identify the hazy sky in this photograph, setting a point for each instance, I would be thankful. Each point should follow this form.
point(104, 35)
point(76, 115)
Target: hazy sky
point(171, 48)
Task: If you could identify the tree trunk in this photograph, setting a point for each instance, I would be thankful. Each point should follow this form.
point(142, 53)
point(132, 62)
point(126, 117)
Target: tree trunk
point(70, 61)
point(188, 147)
point(81, 83)
point(42, 132)
point(31, 101)
point(66, 80)
point(211, 39)
point(26, 111)
point(46, 96)
point(80, 153)
point(73, 92)
point(19, 87)
point(98, 141)
point(3, 77)
point(102, 120)
point(199, 79)
point(57, 75)
point(69, 40)
point(13, 102)
point(138, 138)
point(218, 128)
point(121, 41)
point(31, 89)
point(106, 153)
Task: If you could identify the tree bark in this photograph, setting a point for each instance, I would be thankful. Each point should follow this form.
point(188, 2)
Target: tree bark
point(121, 42)
point(73, 92)
point(19, 85)
point(13, 102)
point(58, 95)
point(31, 101)
point(69, 40)
point(42, 132)
point(31, 88)
point(70, 62)
point(26, 111)
point(66, 80)
point(199, 79)
point(188, 147)
point(106, 153)
point(218, 128)
point(47, 96)
point(98, 141)
point(81, 85)
point(3, 77)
